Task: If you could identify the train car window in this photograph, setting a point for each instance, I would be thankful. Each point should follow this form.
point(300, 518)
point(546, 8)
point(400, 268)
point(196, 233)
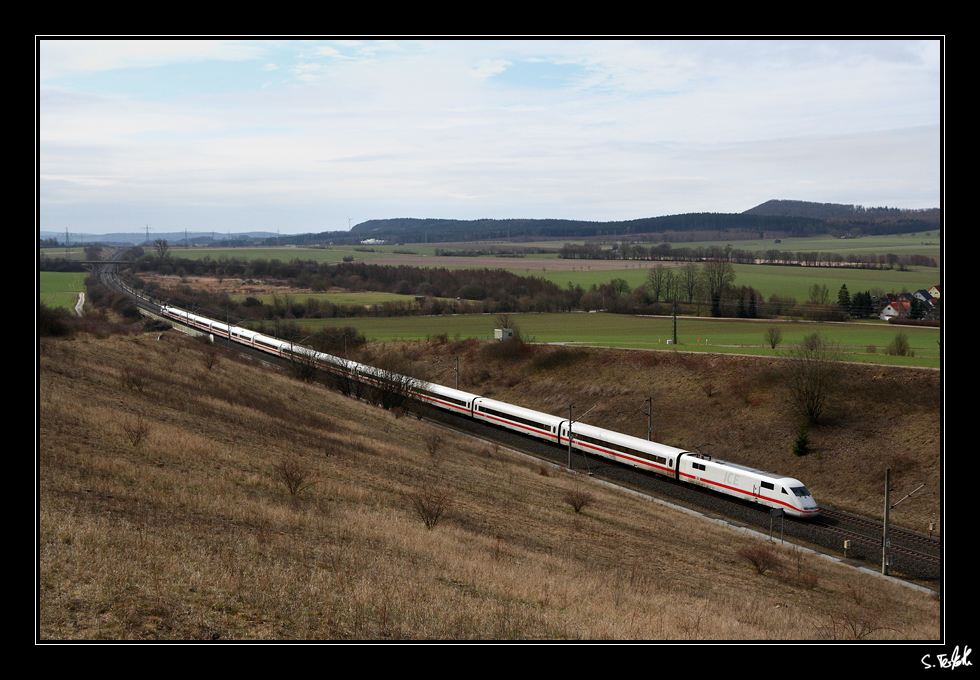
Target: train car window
point(767, 485)
point(698, 466)
point(622, 449)
point(518, 419)
point(433, 395)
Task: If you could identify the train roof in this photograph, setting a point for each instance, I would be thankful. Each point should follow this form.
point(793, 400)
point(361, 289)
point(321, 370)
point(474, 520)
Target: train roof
point(519, 410)
point(626, 439)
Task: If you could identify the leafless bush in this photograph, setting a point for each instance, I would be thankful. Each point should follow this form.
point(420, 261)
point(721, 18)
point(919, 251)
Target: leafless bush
point(806, 576)
point(294, 474)
point(900, 346)
point(135, 378)
point(345, 380)
point(209, 357)
point(434, 444)
point(394, 383)
point(762, 557)
point(430, 505)
point(303, 370)
point(136, 430)
point(854, 623)
point(578, 499)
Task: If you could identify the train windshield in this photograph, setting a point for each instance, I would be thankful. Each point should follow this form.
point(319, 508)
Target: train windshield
point(800, 491)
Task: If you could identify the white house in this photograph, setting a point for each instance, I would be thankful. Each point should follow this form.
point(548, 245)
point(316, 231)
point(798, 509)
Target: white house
point(895, 310)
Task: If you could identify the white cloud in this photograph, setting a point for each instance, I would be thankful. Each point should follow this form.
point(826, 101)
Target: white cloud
point(573, 129)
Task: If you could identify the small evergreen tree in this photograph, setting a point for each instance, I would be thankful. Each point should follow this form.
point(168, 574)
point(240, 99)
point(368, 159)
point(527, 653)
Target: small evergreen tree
point(844, 299)
point(801, 446)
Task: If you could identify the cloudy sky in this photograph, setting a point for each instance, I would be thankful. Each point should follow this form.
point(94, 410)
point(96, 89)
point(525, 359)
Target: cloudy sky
point(304, 136)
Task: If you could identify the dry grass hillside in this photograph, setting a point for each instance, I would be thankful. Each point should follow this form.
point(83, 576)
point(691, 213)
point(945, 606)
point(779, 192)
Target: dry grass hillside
point(186, 494)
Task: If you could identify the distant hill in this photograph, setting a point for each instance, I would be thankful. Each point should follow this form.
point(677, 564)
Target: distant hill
point(176, 238)
point(778, 218)
point(827, 211)
point(784, 218)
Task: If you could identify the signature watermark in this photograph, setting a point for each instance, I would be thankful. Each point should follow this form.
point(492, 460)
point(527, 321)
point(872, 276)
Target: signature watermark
point(954, 660)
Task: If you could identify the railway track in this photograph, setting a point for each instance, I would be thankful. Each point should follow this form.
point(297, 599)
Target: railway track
point(865, 535)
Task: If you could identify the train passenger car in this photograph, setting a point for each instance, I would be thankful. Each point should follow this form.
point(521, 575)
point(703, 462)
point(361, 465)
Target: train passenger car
point(623, 448)
point(520, 419)
point(748, 484)
point(446, 398)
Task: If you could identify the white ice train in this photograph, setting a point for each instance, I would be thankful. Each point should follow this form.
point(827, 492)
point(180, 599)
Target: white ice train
point(730, 479)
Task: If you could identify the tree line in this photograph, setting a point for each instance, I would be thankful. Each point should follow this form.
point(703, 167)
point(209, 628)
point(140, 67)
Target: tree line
point(436, 290)
point(696, 288)
point(773, 256)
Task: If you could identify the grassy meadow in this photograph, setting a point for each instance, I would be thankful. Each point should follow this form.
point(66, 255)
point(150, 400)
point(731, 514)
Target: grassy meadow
point(865, 342)
point(60, 289)
point(792, 282)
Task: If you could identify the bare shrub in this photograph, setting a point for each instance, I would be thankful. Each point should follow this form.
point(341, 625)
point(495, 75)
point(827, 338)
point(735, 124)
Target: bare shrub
point(806, 576)
point(294, 474)
point(136, 430)
point(395, 384)
point(578, 499)
point(853, 623)
point(900, 346)
point(762, 557)
point(302, 369)
point(434, 444)
point(345, 379)
point(559, 358)
point(135, 378)
point(209, 357)
point(430, 506)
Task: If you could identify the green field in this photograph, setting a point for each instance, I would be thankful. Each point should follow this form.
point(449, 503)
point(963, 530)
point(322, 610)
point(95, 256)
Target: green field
point(792, 282)
point(693, 333)
point(768, 280)
point(60, 289)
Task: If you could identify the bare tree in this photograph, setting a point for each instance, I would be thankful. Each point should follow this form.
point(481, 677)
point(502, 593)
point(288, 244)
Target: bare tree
point(717, 274)
point(689, 281)
point(812, 375)
point(660, 280)
point(394, 384)
point(162, 247)
point(773, 337)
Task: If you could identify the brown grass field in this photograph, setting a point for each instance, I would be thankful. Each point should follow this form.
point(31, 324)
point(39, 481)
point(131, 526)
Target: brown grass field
point(165, 510)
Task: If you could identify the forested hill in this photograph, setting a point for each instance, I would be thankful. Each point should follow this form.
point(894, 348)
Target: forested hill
point(773, 218)
point(837, 211)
